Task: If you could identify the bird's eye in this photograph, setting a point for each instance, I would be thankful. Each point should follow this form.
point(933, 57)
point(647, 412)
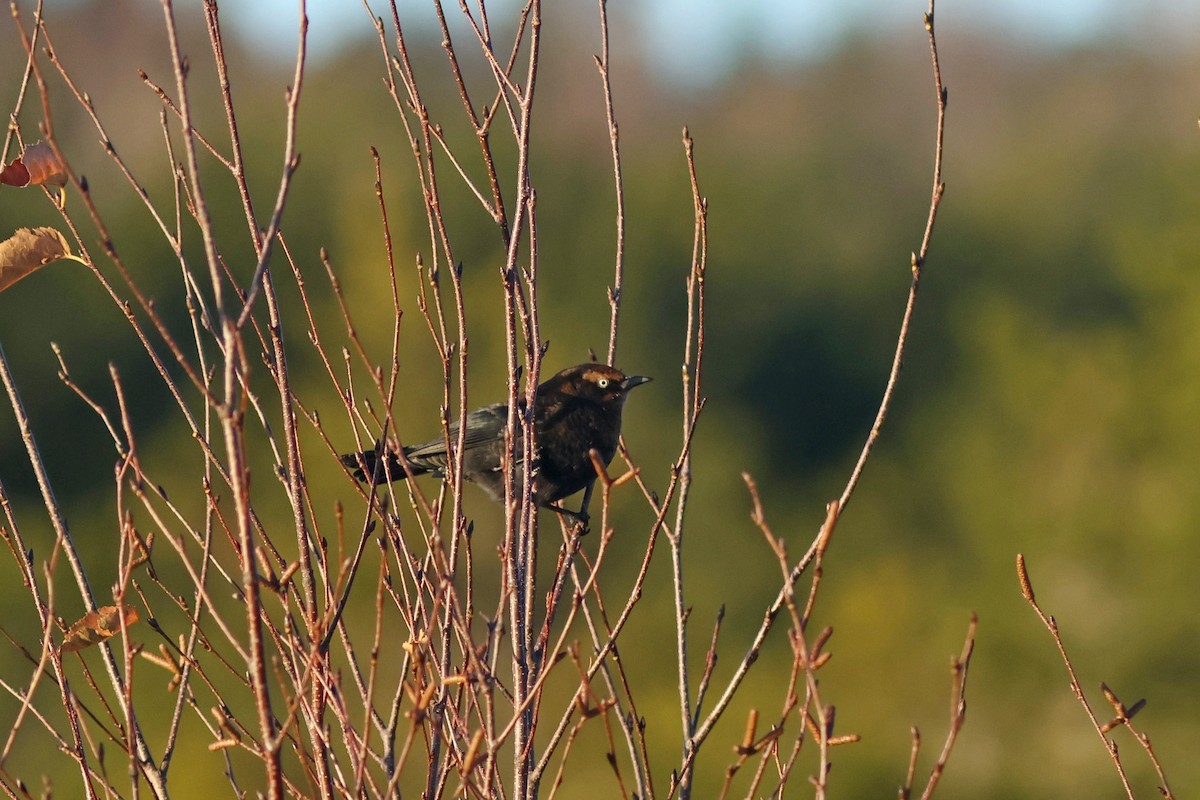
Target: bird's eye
point(602, 383)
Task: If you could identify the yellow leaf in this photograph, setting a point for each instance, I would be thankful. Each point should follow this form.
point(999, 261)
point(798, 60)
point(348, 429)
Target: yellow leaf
point(28, 250)
point(98, 625)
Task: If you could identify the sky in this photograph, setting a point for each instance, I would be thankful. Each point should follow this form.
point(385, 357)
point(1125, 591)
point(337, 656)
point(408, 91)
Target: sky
point(714, 32)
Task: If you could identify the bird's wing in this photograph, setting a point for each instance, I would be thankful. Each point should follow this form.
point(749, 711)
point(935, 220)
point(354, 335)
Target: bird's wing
point(485, 426)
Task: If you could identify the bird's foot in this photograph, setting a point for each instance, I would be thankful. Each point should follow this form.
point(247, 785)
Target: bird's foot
point(578, 519)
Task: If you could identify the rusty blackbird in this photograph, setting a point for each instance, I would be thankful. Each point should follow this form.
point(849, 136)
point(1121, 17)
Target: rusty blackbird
point(576, 411)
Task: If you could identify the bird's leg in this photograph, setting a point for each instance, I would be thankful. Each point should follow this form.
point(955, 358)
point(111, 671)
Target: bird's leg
point(587, 498)
point(581, 516)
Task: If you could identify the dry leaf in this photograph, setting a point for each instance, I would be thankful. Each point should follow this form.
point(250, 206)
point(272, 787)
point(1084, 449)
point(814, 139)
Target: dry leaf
point(36, 166)
point(96, 626)
point(28, 250)
point(14, 174)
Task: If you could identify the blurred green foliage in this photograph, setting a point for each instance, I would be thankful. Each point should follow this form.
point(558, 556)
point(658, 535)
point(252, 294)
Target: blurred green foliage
point(1047, 405)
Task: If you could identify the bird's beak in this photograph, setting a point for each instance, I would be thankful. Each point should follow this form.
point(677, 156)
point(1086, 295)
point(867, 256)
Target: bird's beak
point(634, 380)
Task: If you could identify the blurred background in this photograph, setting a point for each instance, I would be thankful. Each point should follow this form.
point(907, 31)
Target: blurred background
point(1048, 403)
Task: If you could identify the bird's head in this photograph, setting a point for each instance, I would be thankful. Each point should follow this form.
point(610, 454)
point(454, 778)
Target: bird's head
point(598, 383)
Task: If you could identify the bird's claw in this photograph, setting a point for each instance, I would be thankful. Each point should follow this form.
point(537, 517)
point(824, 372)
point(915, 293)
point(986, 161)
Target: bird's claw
point(578, 518)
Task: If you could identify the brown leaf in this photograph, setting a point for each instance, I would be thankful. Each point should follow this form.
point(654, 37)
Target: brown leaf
point(28, 250)
point(36, 166)
point(14, 174)
point(96, 626)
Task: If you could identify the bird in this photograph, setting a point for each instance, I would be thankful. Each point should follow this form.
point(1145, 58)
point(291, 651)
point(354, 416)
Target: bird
point(576, 411)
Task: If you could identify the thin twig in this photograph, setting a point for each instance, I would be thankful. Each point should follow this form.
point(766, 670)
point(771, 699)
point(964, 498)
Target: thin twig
point(958, 708)
point(1076, 688)
point(917, 264)
point(603, 64)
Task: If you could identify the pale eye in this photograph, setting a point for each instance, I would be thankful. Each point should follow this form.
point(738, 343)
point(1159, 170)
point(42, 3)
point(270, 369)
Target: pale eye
point(602, 383)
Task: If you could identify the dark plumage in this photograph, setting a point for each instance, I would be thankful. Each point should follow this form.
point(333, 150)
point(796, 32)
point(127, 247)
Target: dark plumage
point(577, 410)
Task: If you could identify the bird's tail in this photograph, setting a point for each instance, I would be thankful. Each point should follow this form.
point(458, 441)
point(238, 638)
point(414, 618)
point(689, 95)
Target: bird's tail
point(379, 466)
